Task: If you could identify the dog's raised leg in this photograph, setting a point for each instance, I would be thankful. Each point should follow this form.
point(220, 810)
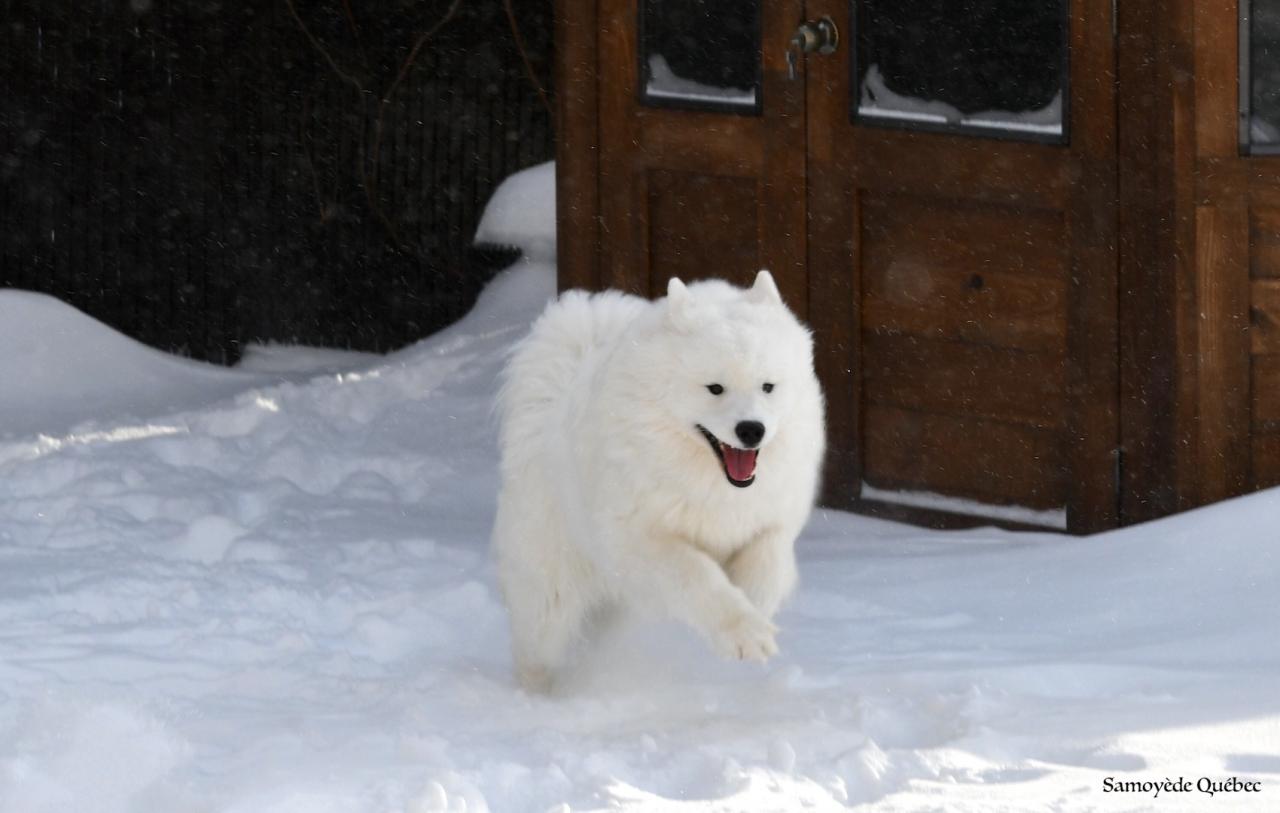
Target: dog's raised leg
point(766, 570)
point(690, 586)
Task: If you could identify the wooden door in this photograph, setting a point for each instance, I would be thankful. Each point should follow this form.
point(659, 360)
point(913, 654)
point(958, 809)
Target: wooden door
point(959, 271)
point(1230, 205)
point(963, 263)
point(701, 144)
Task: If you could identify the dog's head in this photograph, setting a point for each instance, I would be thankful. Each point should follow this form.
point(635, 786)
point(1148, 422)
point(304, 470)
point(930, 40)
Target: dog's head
point(739, 363)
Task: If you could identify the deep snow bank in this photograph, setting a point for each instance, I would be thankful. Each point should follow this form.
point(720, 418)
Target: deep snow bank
point(60, 368)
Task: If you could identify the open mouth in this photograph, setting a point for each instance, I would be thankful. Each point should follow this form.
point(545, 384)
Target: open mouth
point(739, 464)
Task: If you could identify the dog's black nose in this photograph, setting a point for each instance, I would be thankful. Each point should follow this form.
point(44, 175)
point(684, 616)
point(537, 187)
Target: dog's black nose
point(750, 433)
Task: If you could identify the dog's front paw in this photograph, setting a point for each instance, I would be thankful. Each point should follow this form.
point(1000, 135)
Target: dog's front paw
point(535, 679)
point(747, 636)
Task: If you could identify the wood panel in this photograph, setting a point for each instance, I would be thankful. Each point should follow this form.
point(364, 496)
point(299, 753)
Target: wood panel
point(1216, 64)
point(1266, 459)
point(1000, 176)
point(964, 234)
point(1265, 400)
point(701, 226)
point(965, 457)
point(961, 270)
point(1264, 315)
point(1222, 292)
point(718, 148)
point(1264, 332)
point(997, 308)
point(1221, 218)
point(1264, 242)
point(1264, 340)
point(960, 379)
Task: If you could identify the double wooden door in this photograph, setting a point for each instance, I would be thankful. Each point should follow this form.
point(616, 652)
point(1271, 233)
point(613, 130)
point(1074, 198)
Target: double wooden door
point(935, 193)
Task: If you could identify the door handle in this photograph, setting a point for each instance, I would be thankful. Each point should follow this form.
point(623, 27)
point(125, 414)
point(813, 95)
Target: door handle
point(813, 36)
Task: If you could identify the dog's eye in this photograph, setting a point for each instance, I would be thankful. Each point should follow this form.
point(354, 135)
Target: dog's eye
point(715, 389)
point(768, 388)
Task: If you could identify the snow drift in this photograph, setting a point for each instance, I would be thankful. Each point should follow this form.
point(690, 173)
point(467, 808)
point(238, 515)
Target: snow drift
point(242, 591)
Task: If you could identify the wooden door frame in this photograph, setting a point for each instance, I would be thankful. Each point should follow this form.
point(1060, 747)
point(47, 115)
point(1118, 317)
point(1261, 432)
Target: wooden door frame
point(577, 66)
point(1219, 180)
point(1233, 391)
point(1094, 501)
point(1152, 94)
point(1185, 191)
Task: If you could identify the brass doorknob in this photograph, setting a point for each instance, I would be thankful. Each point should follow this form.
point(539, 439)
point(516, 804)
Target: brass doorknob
point(813, 36)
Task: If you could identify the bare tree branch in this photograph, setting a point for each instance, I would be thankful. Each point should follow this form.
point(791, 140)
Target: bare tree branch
point(324, 52)
point(355, 31)
point(371, 177)
point(524, 57)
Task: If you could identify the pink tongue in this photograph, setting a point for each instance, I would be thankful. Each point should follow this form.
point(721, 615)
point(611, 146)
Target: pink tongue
point(741, 463)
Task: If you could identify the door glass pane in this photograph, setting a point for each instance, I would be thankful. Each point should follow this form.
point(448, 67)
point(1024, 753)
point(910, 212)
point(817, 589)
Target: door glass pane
point(1260, 76)
point(702, 54)
point(995, 67)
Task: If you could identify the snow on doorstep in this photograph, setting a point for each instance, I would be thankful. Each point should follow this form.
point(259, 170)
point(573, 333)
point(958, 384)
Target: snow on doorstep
point(957, 505)
point(286, 606)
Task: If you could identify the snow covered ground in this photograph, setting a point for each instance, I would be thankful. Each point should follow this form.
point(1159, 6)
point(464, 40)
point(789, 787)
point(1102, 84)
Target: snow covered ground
point(266, 590)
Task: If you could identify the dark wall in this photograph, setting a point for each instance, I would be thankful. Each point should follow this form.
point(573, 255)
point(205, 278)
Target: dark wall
point(202, 174)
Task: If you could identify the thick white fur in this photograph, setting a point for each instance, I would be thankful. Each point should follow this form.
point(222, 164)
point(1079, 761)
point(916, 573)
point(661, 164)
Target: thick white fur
point(611, 494)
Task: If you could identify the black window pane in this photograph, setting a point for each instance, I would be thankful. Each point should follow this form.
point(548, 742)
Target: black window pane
point(994, 66)
point(700, 54)
point(1260, 76)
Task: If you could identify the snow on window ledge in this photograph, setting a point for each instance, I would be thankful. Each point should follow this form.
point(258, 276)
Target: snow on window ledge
point(665, 84)
point(878, 101)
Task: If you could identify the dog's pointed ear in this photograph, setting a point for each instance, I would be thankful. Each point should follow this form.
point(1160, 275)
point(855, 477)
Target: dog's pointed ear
point(679, 303)
point(764, 290)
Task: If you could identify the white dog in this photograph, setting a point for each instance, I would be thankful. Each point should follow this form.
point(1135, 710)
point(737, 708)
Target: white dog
point(656, 453)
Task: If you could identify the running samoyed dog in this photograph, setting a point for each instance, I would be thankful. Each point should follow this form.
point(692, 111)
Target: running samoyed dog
point(661, 454)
